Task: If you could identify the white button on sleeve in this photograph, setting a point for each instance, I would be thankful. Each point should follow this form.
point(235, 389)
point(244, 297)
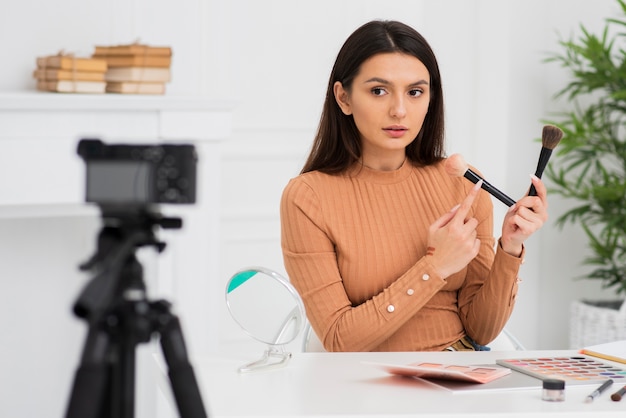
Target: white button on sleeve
point(425, 277)
point(410, 292)
point(391, 308)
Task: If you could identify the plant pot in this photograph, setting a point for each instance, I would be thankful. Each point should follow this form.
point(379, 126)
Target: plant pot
point(597, 322)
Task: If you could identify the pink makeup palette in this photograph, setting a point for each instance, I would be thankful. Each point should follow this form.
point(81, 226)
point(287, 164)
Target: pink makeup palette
point(474, 374)
point(575, 369)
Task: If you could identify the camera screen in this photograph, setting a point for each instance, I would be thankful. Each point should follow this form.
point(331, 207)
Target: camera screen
point(118, 182)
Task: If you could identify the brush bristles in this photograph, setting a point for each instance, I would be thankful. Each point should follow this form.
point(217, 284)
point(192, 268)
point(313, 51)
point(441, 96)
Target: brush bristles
point(550, 136)
point(456, 166)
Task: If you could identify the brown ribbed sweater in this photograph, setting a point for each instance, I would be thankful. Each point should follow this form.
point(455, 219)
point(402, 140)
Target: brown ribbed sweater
point(354, 247)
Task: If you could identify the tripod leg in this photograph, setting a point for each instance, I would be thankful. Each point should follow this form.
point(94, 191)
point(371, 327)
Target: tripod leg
point(181, 374)
point(90, 387)
point(123, 380)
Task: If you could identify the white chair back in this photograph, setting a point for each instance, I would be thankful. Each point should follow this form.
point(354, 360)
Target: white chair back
point(311, 343)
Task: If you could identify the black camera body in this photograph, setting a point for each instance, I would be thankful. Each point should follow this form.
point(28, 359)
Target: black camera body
point(131, 175)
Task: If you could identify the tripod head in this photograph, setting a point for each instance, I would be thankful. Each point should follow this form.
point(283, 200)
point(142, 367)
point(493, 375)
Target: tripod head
point(125, 229)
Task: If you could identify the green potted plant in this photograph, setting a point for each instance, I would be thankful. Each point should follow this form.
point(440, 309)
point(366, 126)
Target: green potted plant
point(590, 170)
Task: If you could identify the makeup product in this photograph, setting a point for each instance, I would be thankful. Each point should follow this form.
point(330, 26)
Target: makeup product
point(473, 374)
point(575, 370)
point(604, 386)
point(550, 137)
point(553, 390)
point(457, 167)
point(617, 396)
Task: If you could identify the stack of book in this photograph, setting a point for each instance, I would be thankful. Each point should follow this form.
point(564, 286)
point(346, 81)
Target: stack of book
point(136, 68)
point(68, 74)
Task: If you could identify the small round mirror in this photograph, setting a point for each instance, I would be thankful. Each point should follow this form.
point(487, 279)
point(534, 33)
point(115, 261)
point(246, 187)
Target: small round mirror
point(269, 309)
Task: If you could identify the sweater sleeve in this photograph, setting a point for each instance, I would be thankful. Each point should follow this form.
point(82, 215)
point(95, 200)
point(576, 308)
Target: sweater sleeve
point(311, 264)
point(487, 297)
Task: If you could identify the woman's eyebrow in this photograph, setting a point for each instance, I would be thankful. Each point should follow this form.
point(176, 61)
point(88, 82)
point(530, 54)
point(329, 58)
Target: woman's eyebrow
point(377, 80)
point(383, 81)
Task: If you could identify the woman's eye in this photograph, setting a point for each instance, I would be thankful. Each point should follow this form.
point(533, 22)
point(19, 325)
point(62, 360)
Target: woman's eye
point(378, 91)
point(415, 93)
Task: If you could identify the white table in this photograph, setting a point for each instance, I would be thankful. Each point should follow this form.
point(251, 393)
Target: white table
point(340, 385)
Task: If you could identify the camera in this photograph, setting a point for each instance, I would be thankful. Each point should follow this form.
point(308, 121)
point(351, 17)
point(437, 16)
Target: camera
point(141, 174)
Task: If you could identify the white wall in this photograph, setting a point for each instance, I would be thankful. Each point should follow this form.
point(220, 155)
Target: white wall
point(273, 58)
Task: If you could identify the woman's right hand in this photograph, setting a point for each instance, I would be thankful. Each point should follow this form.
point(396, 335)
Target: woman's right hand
point(452, 241)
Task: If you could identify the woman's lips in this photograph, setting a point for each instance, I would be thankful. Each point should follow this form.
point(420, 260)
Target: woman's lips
point(395, 131)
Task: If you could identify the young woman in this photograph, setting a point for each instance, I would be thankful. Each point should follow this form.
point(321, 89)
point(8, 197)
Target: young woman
point(388, 251)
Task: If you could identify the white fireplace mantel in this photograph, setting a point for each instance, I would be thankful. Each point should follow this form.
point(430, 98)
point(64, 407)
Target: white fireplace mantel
point(39, 133)
point(42, 176)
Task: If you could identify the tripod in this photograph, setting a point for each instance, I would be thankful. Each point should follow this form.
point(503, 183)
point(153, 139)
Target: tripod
point(120, 317)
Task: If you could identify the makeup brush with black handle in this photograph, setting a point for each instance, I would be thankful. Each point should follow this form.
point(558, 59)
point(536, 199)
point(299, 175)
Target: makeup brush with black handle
point(456, 166)
point(550, 137)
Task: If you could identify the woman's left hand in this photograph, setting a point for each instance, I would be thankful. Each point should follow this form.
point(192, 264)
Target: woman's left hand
point(524, 218)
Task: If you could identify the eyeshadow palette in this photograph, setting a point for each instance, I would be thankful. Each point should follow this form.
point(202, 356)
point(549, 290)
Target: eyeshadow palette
point(573, 369)
point(473, 374)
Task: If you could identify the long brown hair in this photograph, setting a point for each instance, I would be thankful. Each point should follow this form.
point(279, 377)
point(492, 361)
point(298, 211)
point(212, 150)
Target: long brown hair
point(337, 144)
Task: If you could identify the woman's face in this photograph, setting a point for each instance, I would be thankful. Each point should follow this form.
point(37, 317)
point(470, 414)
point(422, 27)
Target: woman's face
point(388, 100)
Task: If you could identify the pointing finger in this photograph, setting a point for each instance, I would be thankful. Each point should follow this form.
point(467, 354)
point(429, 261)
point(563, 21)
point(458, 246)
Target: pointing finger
point(466, 205)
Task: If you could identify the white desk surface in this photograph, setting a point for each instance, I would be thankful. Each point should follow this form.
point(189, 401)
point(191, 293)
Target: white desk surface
point(340, 385)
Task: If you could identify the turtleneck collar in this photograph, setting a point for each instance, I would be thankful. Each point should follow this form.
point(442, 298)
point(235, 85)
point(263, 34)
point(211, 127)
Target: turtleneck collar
point(362, 172)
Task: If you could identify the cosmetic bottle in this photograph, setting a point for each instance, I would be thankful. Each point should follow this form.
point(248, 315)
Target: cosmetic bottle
point(553, 390)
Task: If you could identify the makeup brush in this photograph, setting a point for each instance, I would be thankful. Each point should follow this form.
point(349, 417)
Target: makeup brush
point(550, 137)
point(456, 166)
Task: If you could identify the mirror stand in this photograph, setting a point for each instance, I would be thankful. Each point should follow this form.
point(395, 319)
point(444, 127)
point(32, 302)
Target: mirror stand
point(269, 309)
point(273, 357)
